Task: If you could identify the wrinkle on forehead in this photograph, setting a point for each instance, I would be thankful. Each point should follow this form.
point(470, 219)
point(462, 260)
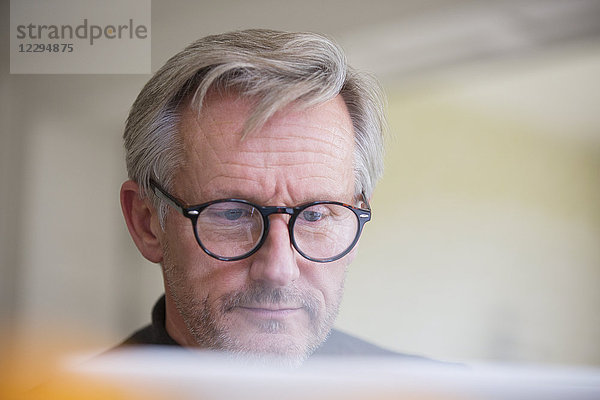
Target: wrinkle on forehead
point(306, 147)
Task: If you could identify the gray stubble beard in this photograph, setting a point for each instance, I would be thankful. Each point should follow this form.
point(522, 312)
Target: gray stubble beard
point(201, 319)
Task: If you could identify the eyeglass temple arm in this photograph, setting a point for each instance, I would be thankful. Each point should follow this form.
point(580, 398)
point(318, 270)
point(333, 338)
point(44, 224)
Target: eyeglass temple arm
point(166, 197)
point(366, 201)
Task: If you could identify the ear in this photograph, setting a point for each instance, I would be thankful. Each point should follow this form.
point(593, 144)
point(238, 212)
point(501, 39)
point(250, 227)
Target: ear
point(142, 222)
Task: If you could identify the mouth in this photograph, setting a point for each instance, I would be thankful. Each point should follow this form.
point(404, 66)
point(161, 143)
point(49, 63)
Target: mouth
point(270, 311)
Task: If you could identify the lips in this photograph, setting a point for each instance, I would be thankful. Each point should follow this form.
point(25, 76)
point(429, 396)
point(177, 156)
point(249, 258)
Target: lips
point(270, 311)
point(259, 301)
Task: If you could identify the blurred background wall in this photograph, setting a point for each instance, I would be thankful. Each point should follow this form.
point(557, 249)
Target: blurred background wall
point(485, 243)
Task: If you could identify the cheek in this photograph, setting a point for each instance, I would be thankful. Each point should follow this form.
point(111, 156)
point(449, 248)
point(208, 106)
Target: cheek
point(328, 279)
point(197, 270)
point(180, 244)
point(349, 258)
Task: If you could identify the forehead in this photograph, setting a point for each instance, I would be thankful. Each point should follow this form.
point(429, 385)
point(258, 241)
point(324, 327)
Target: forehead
point(298, 155)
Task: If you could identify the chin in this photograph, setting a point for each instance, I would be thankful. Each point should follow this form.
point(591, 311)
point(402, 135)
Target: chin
point(278, 350)
point(270, 358)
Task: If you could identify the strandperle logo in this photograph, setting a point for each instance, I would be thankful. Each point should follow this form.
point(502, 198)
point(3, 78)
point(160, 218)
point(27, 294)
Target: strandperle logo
point(91, 32)
point(80, 36)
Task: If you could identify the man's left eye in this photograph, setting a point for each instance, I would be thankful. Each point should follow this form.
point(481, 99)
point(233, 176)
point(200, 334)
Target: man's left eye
point(311, 216)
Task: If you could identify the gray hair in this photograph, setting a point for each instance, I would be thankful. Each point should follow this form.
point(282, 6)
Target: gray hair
point(276, 69)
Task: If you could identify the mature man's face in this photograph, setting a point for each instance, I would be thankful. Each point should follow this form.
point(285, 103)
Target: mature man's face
point(274, 302)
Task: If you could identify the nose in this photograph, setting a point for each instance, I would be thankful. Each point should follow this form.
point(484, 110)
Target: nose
point(275, 263)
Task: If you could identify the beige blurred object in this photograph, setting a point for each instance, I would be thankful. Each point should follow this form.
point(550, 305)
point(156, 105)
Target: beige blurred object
point(488, 219)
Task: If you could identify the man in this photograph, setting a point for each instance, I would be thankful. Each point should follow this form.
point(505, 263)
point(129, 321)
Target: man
point(251, 157)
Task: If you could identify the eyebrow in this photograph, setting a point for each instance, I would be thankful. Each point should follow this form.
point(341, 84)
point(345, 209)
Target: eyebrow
point(256, 200)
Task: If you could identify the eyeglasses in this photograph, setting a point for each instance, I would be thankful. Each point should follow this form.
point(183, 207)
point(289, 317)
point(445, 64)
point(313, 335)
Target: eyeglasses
point(233, 229)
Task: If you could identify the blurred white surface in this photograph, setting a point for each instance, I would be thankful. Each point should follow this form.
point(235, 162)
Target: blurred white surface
point(191, 375)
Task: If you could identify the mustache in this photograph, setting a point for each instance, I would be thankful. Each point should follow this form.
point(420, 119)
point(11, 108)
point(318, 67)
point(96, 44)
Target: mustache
point(264, 295)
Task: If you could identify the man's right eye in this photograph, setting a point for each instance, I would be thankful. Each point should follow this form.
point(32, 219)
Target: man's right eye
point(233, 214)
point(224, 213)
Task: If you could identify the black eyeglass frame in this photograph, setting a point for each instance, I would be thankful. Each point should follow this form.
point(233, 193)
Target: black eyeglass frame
point(192, 212)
